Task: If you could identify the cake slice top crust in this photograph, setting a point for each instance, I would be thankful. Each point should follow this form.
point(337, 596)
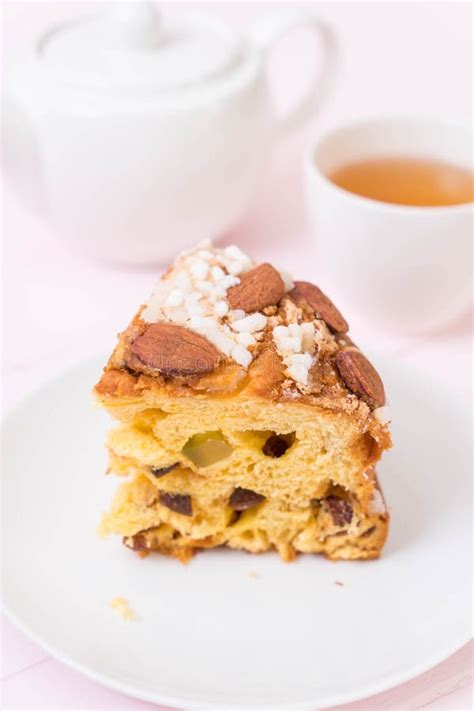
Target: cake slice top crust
point(219, 324)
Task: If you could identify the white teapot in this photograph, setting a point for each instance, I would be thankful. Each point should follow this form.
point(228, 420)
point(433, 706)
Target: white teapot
point(140, 135)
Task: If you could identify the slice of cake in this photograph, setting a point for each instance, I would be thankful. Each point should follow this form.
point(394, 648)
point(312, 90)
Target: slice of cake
point(247, 417)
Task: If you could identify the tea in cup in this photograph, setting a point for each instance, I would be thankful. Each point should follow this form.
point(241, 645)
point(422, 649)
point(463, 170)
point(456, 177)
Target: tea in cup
point(391, 203)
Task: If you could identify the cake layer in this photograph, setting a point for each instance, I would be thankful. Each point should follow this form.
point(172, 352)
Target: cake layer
point(152, 518)
point(293, 453)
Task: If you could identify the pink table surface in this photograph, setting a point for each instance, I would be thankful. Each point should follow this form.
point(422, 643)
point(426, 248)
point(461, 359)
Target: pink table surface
point(399, 57)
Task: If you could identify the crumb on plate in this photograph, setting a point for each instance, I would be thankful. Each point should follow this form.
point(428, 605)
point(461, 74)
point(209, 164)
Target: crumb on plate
point(123, 609)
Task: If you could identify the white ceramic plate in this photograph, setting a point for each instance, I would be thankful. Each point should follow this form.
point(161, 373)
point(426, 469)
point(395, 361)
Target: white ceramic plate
point(231, 630)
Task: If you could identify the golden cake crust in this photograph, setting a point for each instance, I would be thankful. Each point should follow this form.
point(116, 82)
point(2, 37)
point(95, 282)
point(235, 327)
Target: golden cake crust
point(265, 379)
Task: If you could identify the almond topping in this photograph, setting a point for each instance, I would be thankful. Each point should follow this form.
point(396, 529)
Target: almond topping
point(321, 305)
point(258, 288)
point(361, 377)
point(173, 350)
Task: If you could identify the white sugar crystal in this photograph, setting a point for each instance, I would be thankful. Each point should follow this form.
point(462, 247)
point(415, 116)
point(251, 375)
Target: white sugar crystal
point(289, 344)
point(152, 311)
point(205, 254)
point(294, 329)
point(221, 341)
point(199, 268)
point(161, 290)
point(305, 359)
point(221, 309)
point(201, 323)
point(217, 273)
point(298, 373)
point(229, 281)
point(298, 367)
point(178, 315)
point(307, 329)
point(183, 281)
point(287, 279)
point(237, 314)
point(280, 332)
point(212, 297)
point(206, 287)
point(221, 291)
point(382, 414)
point(376, 503)
point(241, 355)
point(251, 323)
point(194, 308)
point(236, 267)
point(193, 297)
point(236, 253)
point(175, 298)
point(246, 339)
point(198, 322)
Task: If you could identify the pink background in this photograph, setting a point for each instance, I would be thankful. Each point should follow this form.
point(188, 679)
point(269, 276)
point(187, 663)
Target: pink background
point(398, 57)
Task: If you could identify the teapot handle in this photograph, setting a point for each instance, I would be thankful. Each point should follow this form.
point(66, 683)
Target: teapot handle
point(268, 30)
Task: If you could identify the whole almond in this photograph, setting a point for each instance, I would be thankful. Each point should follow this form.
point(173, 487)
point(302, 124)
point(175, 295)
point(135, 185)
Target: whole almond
point(173, 350)
point(320, 304)
point(258, 288)
point(361, 377)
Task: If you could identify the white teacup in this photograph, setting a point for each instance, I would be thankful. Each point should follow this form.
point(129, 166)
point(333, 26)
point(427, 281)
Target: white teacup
point(402, 268)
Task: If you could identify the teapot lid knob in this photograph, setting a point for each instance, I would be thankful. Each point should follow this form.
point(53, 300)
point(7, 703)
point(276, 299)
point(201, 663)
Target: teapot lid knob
point(137, 24)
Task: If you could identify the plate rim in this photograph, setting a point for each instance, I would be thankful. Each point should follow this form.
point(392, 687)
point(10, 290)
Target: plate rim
point(371, 689)
point(366, 690)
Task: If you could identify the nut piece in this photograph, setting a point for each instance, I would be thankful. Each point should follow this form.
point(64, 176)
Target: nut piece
point(340, 510)
point(321, 305)
point(243, 499)
point(361, 377)
point(173, 350)
point(136, 542)
point(161, 471)
point(179, 503)
point(258, 288)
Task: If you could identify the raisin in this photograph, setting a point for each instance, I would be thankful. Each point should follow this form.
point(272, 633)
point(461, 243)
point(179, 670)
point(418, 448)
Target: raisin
point(340, 509)
point(243, 499)
point(276, 446)
point(136, 542)
point(161, 471)
point(179, 503)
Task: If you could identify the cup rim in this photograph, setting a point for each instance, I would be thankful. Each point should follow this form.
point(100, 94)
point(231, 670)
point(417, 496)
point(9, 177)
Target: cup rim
point(312, 169)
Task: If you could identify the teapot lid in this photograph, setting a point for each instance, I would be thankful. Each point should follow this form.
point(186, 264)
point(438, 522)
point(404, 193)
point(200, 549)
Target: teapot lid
point(131, 47)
